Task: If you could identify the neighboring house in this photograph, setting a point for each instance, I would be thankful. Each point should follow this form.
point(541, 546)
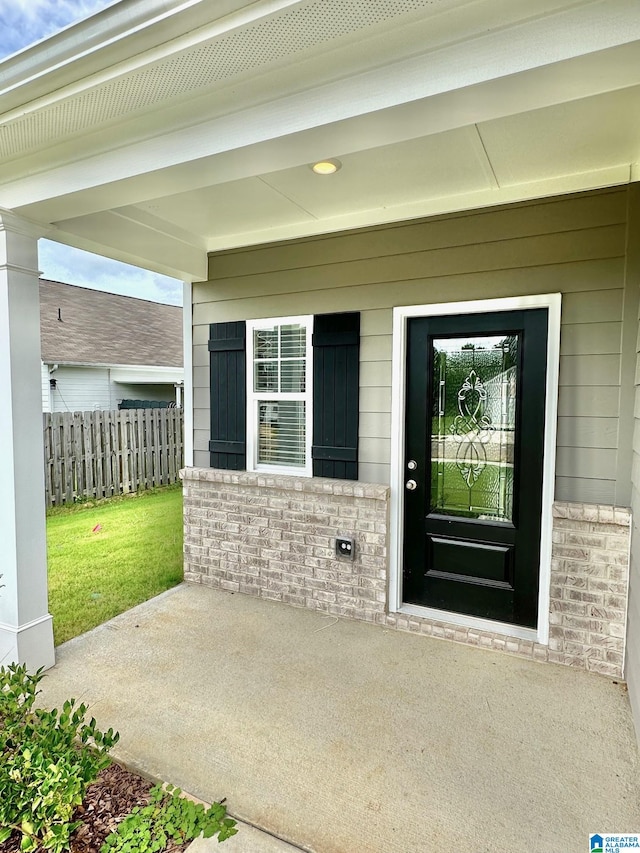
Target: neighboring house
point(100, 349)
point(486, 158)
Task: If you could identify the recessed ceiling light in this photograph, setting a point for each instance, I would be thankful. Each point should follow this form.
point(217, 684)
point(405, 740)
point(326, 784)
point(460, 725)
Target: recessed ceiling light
point(326, 167)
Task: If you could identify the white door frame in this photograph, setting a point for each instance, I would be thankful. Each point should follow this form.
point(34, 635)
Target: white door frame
point(552, 301)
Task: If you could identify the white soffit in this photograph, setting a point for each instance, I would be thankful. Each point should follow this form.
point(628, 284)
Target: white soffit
point(236, 48)
point(369, 179)
point(570, 138)
point(319, 40)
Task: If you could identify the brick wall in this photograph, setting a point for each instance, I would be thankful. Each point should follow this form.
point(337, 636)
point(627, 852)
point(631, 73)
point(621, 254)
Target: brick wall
point(274, 537)
point(589, 586)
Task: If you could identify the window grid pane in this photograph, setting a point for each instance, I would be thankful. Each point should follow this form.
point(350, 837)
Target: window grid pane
point(293, 341)
point(265, 376)
point(292, 375)
point(265, 343)
point(281, 432)
point(279, 355)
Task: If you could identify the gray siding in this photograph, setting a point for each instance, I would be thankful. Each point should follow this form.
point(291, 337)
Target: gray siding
point(81, 389)
point(573, 244)
point(632, 667)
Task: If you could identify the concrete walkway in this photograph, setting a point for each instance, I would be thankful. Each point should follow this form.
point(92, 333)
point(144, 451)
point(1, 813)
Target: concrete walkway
point(342, 737)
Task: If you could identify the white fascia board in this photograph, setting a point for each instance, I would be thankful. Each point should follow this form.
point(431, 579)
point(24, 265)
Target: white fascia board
point(158, 251)
point(195, 269)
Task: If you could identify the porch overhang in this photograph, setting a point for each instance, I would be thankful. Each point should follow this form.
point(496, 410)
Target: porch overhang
point(156, 135)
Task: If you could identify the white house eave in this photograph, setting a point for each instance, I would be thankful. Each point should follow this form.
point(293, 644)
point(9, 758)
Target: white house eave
point(540, 41)
point(147, 375)
point(372, 109)
point(118, 33)
point(142, 373)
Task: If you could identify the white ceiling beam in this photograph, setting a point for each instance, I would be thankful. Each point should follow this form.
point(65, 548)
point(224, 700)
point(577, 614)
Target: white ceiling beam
point(134, 243)
point(597, 179)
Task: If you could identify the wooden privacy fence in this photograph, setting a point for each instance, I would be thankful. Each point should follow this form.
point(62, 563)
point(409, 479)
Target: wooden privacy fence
point(100, 454)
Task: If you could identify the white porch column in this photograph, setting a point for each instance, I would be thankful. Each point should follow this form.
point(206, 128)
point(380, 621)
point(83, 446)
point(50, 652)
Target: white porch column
point(26, 631)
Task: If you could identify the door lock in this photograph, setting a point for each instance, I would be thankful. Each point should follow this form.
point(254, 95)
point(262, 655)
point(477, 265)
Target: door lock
point(412, 464)
point(411, 485)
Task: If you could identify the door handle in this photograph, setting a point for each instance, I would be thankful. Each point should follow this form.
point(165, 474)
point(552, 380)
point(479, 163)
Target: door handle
point(411, 485)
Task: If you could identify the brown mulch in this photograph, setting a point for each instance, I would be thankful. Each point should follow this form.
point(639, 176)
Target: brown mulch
point(115, 793)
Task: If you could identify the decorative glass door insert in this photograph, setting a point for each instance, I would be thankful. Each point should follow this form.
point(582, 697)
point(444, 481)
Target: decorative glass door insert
point(473, 426)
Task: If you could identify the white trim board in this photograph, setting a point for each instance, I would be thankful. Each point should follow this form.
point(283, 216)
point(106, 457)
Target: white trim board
point(187, 402)
point(139, 374)
point(401, 314)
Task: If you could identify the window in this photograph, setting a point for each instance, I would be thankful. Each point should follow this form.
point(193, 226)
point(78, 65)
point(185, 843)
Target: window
point(265, 416)
point(279, 372)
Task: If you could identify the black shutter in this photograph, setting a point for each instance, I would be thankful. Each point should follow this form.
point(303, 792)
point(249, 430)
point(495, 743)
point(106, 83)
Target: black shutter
point(228, 378)
point(336, 352)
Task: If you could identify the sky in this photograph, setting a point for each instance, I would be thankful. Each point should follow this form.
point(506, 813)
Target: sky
point(23, 22)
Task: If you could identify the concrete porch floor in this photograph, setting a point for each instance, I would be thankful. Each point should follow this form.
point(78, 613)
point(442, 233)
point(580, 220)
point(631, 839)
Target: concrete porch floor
point(343, 737)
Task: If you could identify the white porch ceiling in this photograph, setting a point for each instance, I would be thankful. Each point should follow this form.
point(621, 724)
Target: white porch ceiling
point(157, 136)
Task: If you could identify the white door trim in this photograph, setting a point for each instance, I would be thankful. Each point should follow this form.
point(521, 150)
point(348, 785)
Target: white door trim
point(552, 301)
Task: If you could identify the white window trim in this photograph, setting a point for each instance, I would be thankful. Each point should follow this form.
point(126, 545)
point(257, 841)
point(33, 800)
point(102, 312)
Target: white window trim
point(305, 320)
point(553, 302)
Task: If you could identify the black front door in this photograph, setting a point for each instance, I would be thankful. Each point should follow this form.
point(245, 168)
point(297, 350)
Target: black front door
point(475, 405)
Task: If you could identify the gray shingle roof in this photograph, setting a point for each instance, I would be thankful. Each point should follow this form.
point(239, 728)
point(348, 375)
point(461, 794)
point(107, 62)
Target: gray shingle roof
point(102, 328)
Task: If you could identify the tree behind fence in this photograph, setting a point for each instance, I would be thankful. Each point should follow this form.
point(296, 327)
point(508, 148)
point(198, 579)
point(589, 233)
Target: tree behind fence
point(100, 454)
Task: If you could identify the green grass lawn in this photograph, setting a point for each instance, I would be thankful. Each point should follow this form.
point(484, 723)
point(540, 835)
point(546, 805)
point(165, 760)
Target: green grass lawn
point(108, 557)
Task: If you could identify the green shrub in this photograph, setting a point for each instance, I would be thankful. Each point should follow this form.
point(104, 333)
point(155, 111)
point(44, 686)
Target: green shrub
point(168, 818)
point(49, 758)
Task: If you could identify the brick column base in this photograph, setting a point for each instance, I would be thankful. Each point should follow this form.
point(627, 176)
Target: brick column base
point(589, 586)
